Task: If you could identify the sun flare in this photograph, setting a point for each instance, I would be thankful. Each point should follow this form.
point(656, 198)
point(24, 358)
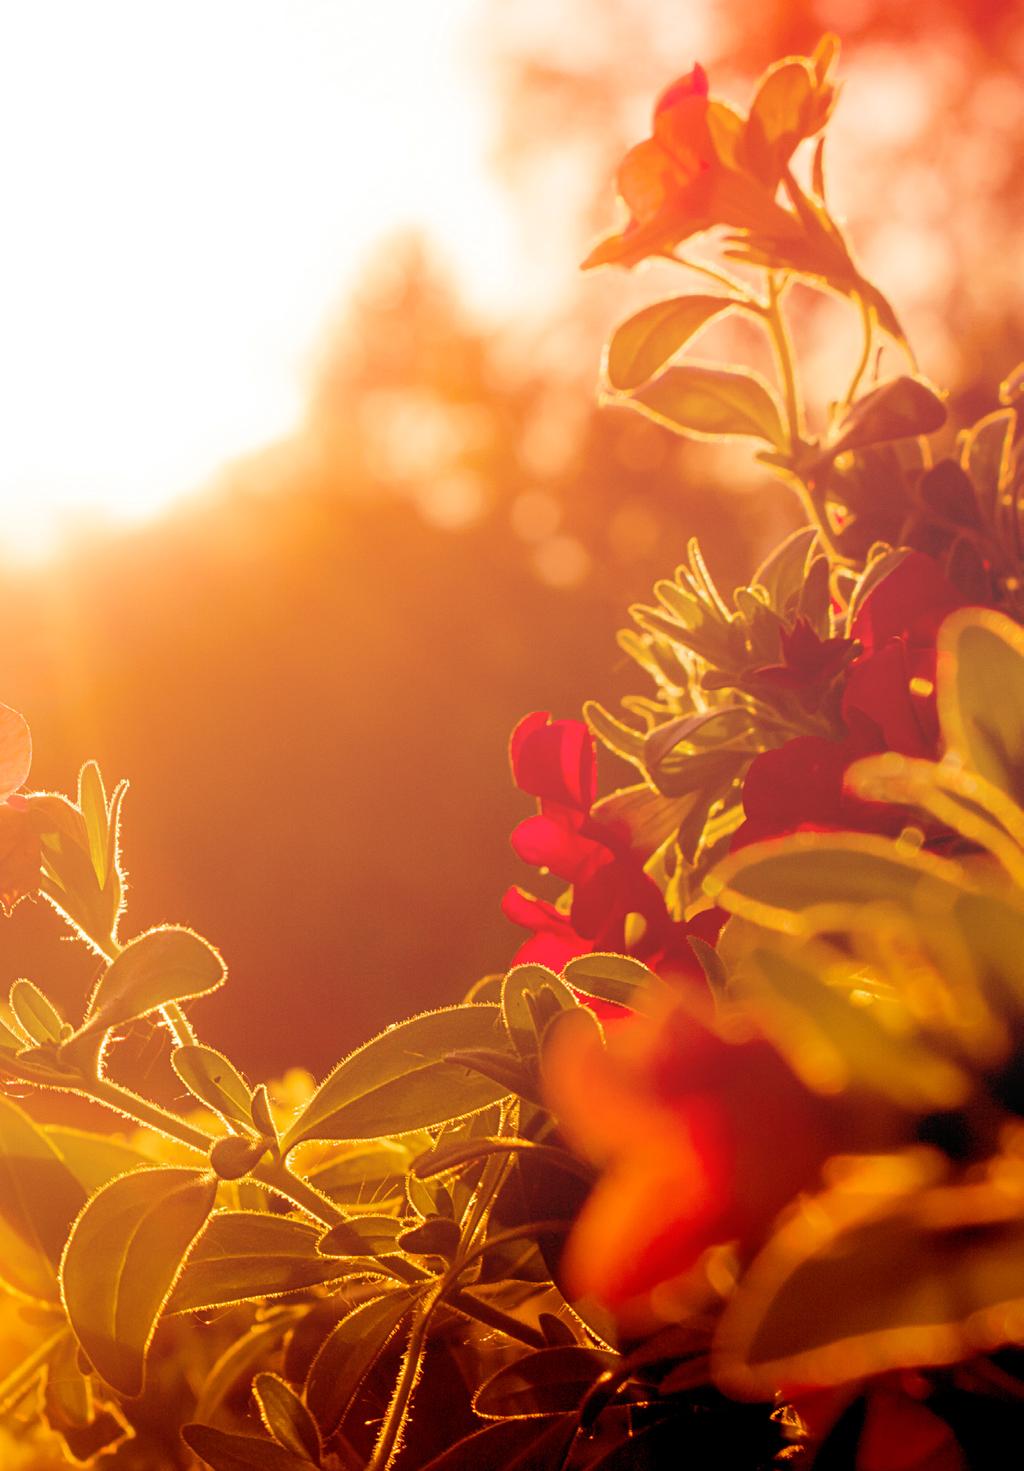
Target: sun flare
point(189, 188)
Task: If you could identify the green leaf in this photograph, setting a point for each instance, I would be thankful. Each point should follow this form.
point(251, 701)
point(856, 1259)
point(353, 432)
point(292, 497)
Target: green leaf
point(608, 977)
point(781, 574)
point(39, 1199)
point(713, 403)
point(986, 454)
point(981, 696)
point(403, 1080)
point(832, 1042)
point(542, 1383)
point(437, 1236)
point(166, 964)
point(92, 803)
point(93, 1159)
point(35, 1014)
point(643, 344)
point(350, 1352)
point(226, 1452)
point(363, 1175)
point(894, 410)
point(644, 815)
point(121, 1262)
point(215, 1081)
point(817, 880)
point(513, 1445)
point(530, 996)
point(912, 1276)
point(250, 1254)
point(286, 1417)
point(361, 1236)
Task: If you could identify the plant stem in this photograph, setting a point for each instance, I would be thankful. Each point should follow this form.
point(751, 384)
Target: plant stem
point(389, 1438)
point(732, 283)
point(865, 357)
point(273, 1175)
point(783, 348)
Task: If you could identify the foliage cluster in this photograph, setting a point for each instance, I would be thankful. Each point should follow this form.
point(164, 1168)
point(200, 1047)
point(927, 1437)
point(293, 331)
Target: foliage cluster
point(730, 1163)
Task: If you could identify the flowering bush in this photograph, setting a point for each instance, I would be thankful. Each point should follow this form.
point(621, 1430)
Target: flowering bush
point(729, 1166)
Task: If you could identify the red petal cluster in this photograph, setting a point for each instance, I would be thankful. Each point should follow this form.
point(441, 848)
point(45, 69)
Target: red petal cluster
point(702, 1141)
point(888, 705)
point(615, 905)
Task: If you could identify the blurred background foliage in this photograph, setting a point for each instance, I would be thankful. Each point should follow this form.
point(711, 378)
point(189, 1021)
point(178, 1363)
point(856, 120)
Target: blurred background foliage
point(310, 670)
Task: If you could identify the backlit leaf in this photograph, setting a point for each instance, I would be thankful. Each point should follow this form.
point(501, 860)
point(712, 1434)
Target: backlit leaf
point(39, 1199)
point(530, 996)
point(609, 977)
point(233, 1157)
point(215, 1081)
point(163, 965)
point(93, 1159)
point(35, 1013)
point(713, 403)
point(121, 1262)
point(350, 1352)
point(402, 1080)
point(894, 410)
point(912, 1275)
point(361, 1236)
point(542, 1383)
point(797, 882)
point(644, 343)
point(513, 1445)
point(224, 1451)
point(286, 1417)
point(981, 695)
point(250, 1254)
point(833, 1042)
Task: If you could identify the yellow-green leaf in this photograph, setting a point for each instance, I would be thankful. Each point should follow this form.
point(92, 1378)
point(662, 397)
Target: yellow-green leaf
point(644, 343)
point(981, 695)
point(163, 965)
point(93, 1159)
point(833, 1042)
point(215, 1081)
point(39, 1199)
point(249, 1254)
point(224, 1451)
point(713, 403)
point(884, 1271)
point(122, 1259)
point(811, 880)
point(609, 977)
point(286, 1417)
point(35, 1014)
point(894, 410)
point(349, 1353)
point(530, 996)
point(402, 1080)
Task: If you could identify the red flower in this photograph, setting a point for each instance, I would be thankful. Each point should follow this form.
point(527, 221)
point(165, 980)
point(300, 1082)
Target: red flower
point(615, 905)
point(809, 663)
point(888, 704)
point(703, 1141)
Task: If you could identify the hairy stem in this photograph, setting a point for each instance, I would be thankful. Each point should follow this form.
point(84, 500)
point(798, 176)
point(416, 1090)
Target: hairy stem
point(868, 324)
point(390, 1436)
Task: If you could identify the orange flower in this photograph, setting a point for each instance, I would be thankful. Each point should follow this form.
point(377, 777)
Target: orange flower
point(706, 165)
point(702, 1141)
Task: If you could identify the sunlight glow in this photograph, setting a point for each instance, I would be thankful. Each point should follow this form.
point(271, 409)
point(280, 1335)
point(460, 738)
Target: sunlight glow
point(189, 186)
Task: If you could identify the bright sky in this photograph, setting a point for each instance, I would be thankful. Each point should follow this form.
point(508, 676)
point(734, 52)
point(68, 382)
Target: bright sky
point(187, 187)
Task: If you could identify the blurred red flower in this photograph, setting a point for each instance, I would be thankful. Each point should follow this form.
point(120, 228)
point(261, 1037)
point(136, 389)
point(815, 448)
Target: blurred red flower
point(888, 704)
point(702, 1141)
point(615, 905)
